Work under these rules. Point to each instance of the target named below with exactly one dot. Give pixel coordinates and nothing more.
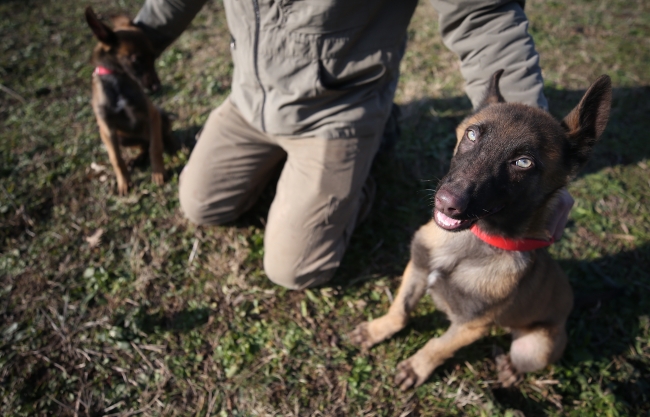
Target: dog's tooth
(446, 220)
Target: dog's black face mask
(500, 171)
(136, 56)
(511, 158)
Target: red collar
(102, 71)
(501, 242)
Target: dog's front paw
(361, 337)
(122, 188)
(158, 178)
(409, 375)
(415, 370)
(369, 333)
(508, 375)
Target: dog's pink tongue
(446, 220)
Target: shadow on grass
(181, 322)
(188, 136)
(604, 328)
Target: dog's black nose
(449, 203)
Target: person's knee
(202, 212)
(192, 209)
(287, 275)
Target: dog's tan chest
(467, 277)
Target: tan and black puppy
(124, 66)
(481, 257)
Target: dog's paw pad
(406, 376)
(360, 336)
(508, 375)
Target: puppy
(482, 256)
(124, 66)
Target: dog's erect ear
(102, 32)
(493, 95)
(588, 120)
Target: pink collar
(505, 243)
(102, 71)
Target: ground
(119, 306)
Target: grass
(159, 317)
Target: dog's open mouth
(449, 223)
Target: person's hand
(559, 218)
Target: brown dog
(124, 65)
(476, 257)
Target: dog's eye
(524, 163)
(471, 134)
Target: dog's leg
(413, 371)
(412, 288)
(119, 166)
(531, 350)
(156, 146)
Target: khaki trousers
(318, 195)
